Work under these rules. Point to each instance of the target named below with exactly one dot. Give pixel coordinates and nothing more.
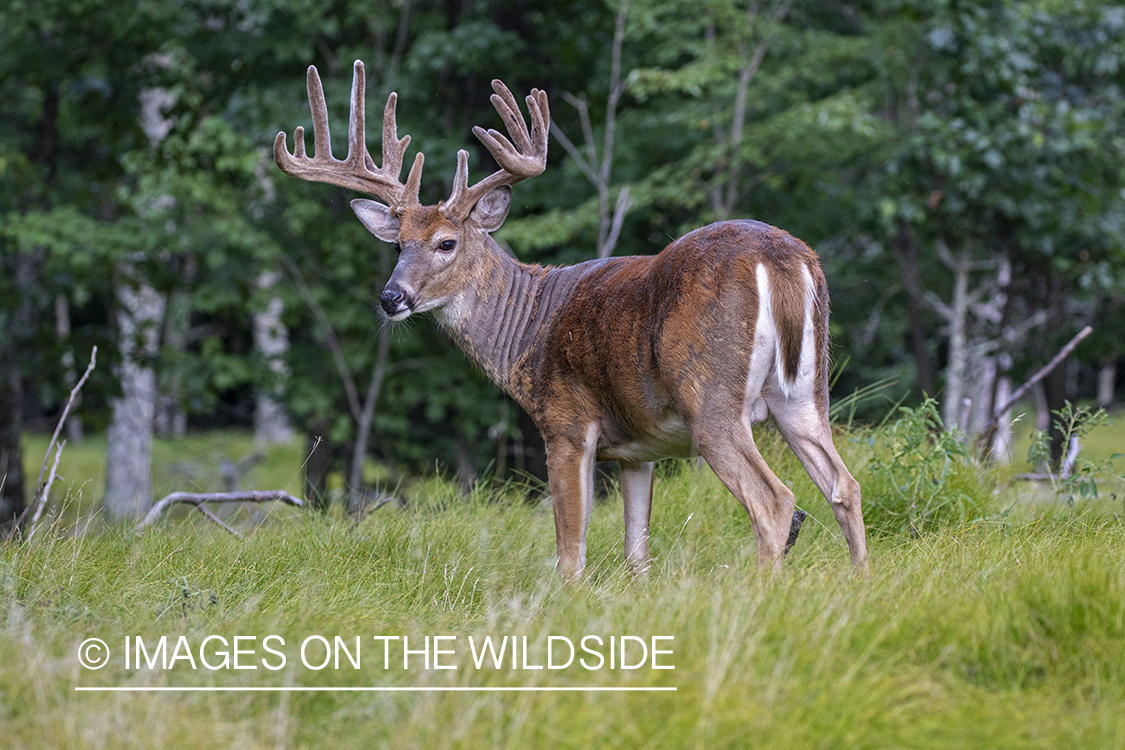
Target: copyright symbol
(93, 653)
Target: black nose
(391, 300)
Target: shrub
(920, 476)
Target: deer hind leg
(570, 474)
(729, 449)
(806, 430)
(636, 490)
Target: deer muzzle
(396, 303)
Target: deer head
(441, 248)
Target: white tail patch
(806, 371)
(767, 357)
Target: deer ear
(377, 218)
(492, 209)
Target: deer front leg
(636, 490)
(570, 473)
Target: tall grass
(1003, 627)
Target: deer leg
(570, 473)
(729, 449)
(808, 433)
(636, 490)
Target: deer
(627, 359)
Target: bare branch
(938, 305)
(66, 412)
(215, 519)
(615, 91)
(1043, 372)
(579, 103)
(40, 501)
(623, 204)
(944, 255)
(746, 74)
(41, 490)
(329, 336)
(575, 154)
(360, 517)
(197, 499)
(600, 172)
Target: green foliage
(920, 477)
(1074, 423)
(993, 126)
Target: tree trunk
(317, 466)
(1002, 437)
(171, 421)
(908, 263)
(1055, 385)
(11, 453)
(128, 482)
(958, 322)
(271, 423)
(1107, 379)
(16, 332)
(1042, 411)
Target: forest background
(959, 166)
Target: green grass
(188, 464)
(1006, 629)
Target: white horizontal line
(300, 688)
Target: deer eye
(398, 248)
(447, 245)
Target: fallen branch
(362, 515)
(197, 499)
(1044, 372)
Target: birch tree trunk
(958, 322)
(1002, 439)
(171, 421)
(1107, 378)
(271, 423)
(128, 481)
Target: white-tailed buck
(625, 359)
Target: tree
(1009, 166)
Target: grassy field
(1001, 626)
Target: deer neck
(496, 318)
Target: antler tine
(358, 171)
(526, 158)
(322, 139)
